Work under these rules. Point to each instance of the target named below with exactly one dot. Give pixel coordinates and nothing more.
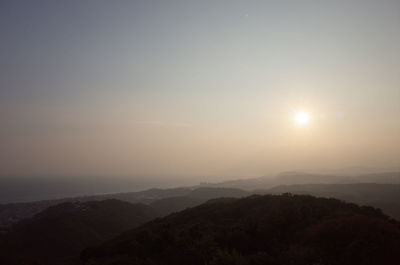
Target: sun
(302, 118)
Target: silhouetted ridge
(383, 196)
(211, 193)
(62, 231)
(175, 204)
(14, 212)
(196, 197)
(267, 229)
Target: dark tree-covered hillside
(271, 229)
(59, 233)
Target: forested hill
(382, 196)
(271, 229)
(61, 232)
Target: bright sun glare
(302, 118)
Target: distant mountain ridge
(291, 178)
(383, 196)
(194, 198)
(12, 213)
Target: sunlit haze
(302, 118)
(200, 90)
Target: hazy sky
(198, 88)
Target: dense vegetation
(59, 233)
(288, 229)
(383, 196)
